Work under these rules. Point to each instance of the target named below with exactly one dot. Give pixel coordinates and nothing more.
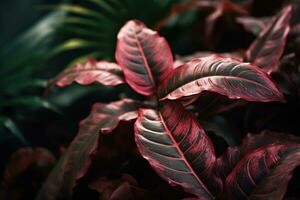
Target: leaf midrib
(233, 77)
(184, 158)
(151, 78)
(264, 37)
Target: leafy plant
(167, 133)
(84, 31)
(21, 61)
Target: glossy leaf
(267, 49)
(102, 72)
(178, 149)
(104, 118)
(180, 60)
(229, 77)
(227, 162)
(264, 173)
(144, 56)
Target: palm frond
(93, 27)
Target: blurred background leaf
(39, 39)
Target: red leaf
(102, 72)
(267, 49)
(225, 76)
(76, 161)
(178, 149)
(180, 60)
(23, 159)
(264, 173)
(144, 56)
(226, 162)
(118, 189)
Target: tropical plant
(20, 88)
(92, 27)
(166, 130)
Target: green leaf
(80, 10)
(105, 18)
(13, 128)
(73, 44)
(32, 47)
(31, 102)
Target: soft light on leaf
(74, 43)
(91, 71)
(178, 149)
(225, 76)
(144, 56)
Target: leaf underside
(226, 76)
(177, 148)
(103, 72)
(144, 56)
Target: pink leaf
(264, 173)
(144, 56)
(92, 71)
(226, 162)
(267, 49)
(226, 76)
(77, 159)
(178, 149)
(180, 60)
